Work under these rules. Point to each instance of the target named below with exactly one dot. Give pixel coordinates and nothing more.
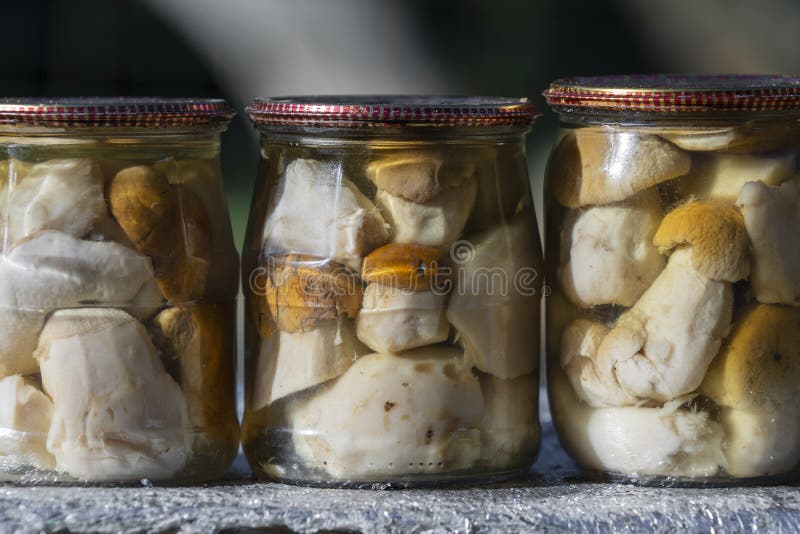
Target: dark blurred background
(239, 49)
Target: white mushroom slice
(669, 440)
(393, 319)
(600, 165)
(25, 414)
(721, 176)
(607, 252)
(579, 344)
(318, 211)
(660, 349)
(772, 219)
(54, 270)
(510, 424)
(435, 223)
(417, 412)
(495, 304)
(59, 194)
(291, 362)
(761, 443)
(117, 414)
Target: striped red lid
(676, 93)
(149, 112)
(386, 111)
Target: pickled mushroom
(416, 412)
(607, 254)
(117, 415)
(600, 166)
(395, 320)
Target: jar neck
(360, 136)
(581, 116)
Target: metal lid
(135, 112)
(676, 93)
(387, 111)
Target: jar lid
(387, 111)
(136, 112)
(676, 93)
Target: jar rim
(356, 111)
(676, 93)
(127, 112)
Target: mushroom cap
(303, 289)
(169, 224)
(759, 364)
(598, 165)
(402, 265)
(420, 175)
(715, 230)
(142, 201)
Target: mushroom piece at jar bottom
(494, 305)
(761, 443)
(510, 424)
(117, 414)
(670, 440)
(59, 194)
(721, 176)
(394, 320)
(55, 270)
(411, 413)
(755, 379)
(289, 362)
(25, 415)
(607, 252)
(435, 223)
(318, 211)
(197, 344)
(772, 219)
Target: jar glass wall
(117, 293)
(391, 273)
(672, 238)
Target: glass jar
(390, 271)
(672, 245)
(118, 282)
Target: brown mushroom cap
(420, 175)
(143, 202)
(759, 365)
(404, 266)
(302, 290)
(169, 224)
(715, 230)
(598, 166)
